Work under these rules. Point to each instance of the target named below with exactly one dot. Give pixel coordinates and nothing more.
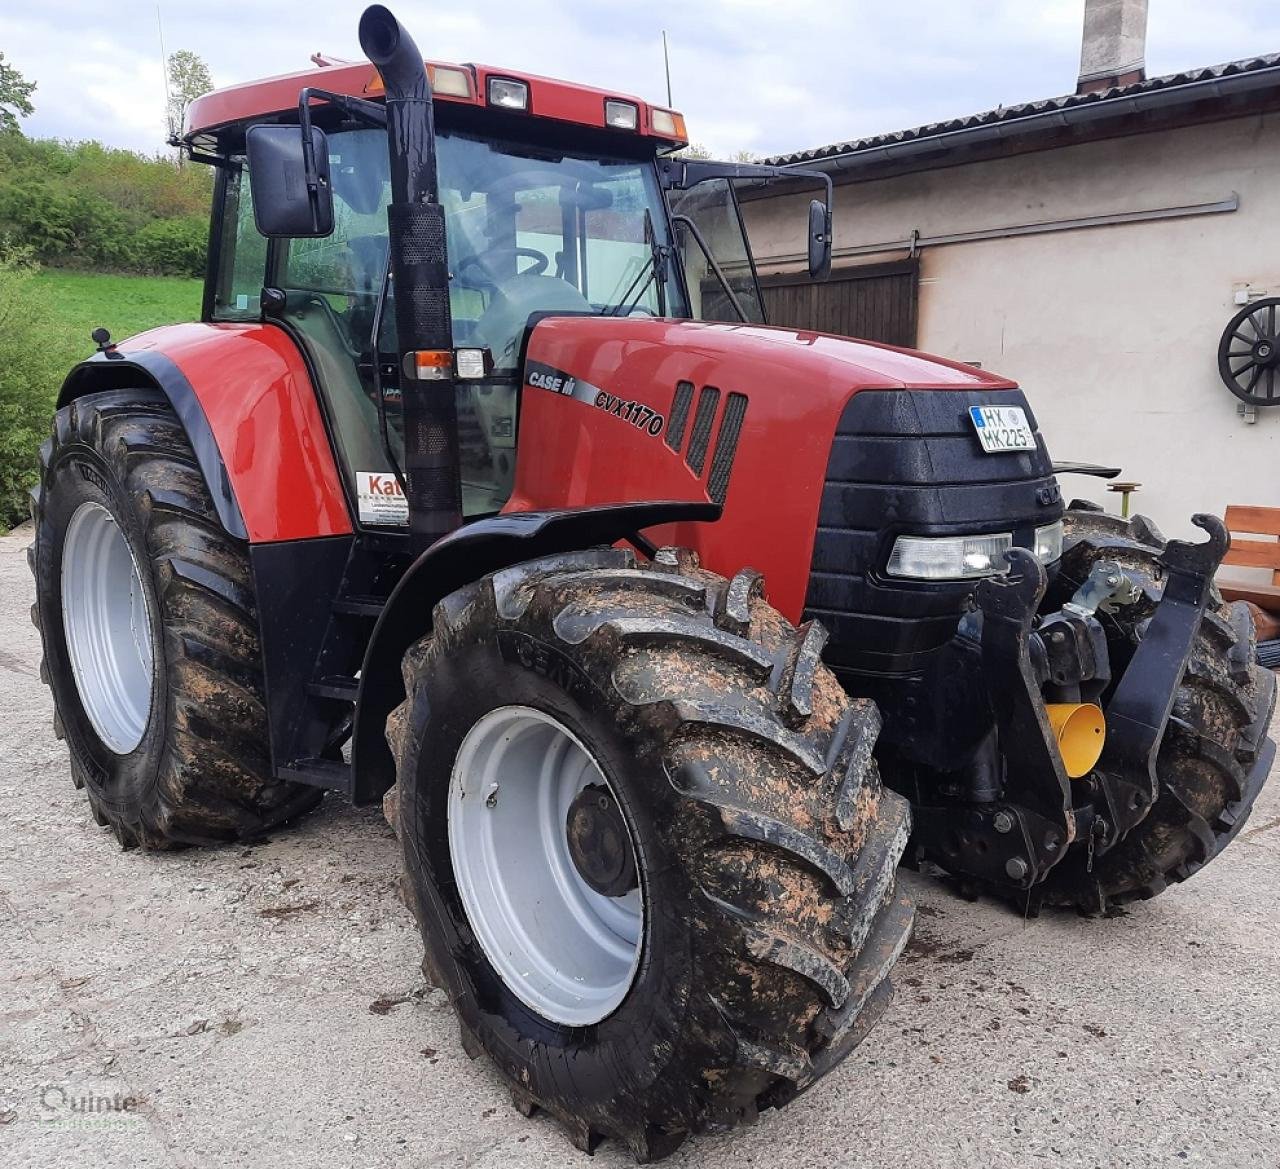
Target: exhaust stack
(419, 269)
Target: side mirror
(819, 240)
(289, 177)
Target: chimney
(1115, 42)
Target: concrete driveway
(263, 1007)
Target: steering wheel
(481, 261)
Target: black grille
(735, 410)
(679, 414)
(910, 461)
(708, 400)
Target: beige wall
(1112, 331)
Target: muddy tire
(763, 843)
(1215, 735)
(159, 697)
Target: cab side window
(242, 263)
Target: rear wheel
(146, 610)
(646, 843)
(1210, 748)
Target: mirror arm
(679, 175)
(358, 108)
(715, 267)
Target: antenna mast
(164, 73)
(666, 61)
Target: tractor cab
(556, 199)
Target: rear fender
(461, 557)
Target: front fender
(461, 557)
(244, 395)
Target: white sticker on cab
(380, 500)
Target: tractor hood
(745, 416)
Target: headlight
(949, 557)
(621, 115)
(1049, 543)
(508, 93)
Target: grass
(81, 301)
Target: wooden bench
(1257, 521)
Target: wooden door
(873, 302)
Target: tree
(15, 97)
(188, 79)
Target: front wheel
(1211, 762)
(646, 843)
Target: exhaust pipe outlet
(391, 49)
(420, 271)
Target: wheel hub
(598, 843)
(107, 627)
(536, 837)
(1266, 351)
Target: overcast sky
(758, 75)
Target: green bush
(173, 247)
(83, 205)
(32, 366)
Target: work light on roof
(450, 82)
(621, 115)
(508, 93)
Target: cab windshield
(528, 230)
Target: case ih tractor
(469, 481)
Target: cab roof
(561, 101)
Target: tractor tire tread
(780, 817)
(214, 781)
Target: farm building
(1093, 246)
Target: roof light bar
(621, 115)
(508, 94)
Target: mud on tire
(765, 843)
(1215, 733)
(201, 772)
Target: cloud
(758, 75)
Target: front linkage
(1023, 814)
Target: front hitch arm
(1021, 836)
(1143, 698)
(1009, 604)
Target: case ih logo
(557, 381)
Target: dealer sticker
(380, 500)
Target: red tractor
(456, 489)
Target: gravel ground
(255, 1004)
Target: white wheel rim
(565, 950)
(107, 629)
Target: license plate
(1002, 429)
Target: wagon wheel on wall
(1249, 353)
